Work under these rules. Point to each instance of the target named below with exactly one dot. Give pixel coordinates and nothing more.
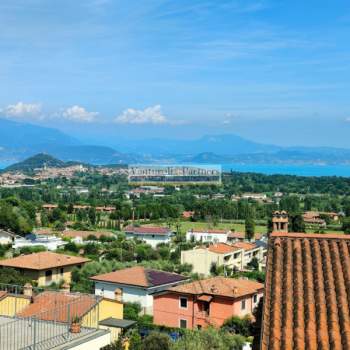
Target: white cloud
(23, 110)
(150, 115)
(79, 114)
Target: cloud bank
(150, 115)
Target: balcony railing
(45, 329)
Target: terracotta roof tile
(140, 276)
(222, 248)
(307, 292)
(245, 245)
(53, 306)
(42, 261)
(220, 286)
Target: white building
(6, 237)
(32, 240)
(207, 236)
(150, 235)
(135, 285)
(236, 256)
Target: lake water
(302, 170)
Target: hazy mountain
(19, 141)
(219, 144)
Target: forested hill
(38, 161)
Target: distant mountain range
(19, 141)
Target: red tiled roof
(307, 292)
(42, 261)
(244, 245)
(239, 235)
(147, 230)
(220, 286)
(222, 248)
(140, 276)
(50, 306)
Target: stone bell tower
(280, 222)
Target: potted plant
(75, 326)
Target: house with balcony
(231, 256)
(207, 235)
(136, 285)
(45, 267)
(251, 250)
(204, 303)
(152, 235)
(220, 254)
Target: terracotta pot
(75, 328)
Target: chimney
(118, 294)
(28, 290)
(235, 290)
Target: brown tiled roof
(222, 248)
(220, 286)
(50, 306)
(86, 234)
(150, 230)
(244, 245)
(42, 261)
(307, 292)
(140, 276)
(239, 235)
(2, 294)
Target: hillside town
(103, 262)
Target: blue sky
(273, 71)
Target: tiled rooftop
(307, 292)
(220, 286)
(140, 276)
(53, 306)
(244, 245)
(222, 248)
(42, 261)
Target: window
(62, 271)
(255, 298)
(183, 323)
(243, 305)
(183, 303)
(48, 276)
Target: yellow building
(45, 268)
(56, 312)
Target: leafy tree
(12, 276)
(239, 325)
(131, 311)
(249, 228)
(208, 339)
(296, 222)
(156, 341)
(135, 341)
(346, 225)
